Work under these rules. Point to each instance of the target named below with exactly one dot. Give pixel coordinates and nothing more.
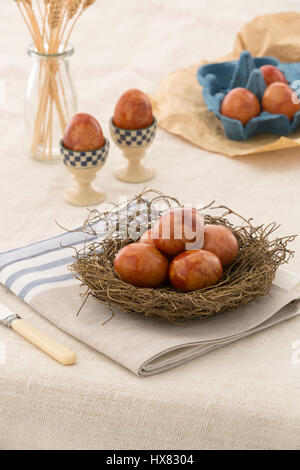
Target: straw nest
(249, 277)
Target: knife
(42, 341)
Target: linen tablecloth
(39, 274)
(245, 395)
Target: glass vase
(50, 102)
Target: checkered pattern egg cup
(84, 166)
(133, 144)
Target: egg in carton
(217, 79)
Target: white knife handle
(51, 347)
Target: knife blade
(42, 341)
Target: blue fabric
(219, 78)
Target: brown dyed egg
(178, 230)
(147, 238)
(220, 241)
(83, 134)
(272, 74)
(279, 98)
(240, 104)
(133, 111)
(194, 270)
(141, 265)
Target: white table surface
(245, 395)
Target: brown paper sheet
(179, 105)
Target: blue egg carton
(219, 78)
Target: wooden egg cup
(133, 144)
(84, 166)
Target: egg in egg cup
(83, 166)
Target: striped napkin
(39, 275)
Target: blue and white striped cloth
(30, 270)
(40, 266)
